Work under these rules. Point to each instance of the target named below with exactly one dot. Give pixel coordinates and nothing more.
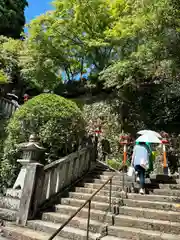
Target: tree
(9, 60)
(71, 43)
(12, 18)
(150, 37)
(130, 46)
(149, 61)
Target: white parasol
(150, 138)
(144, 132)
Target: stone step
(115, 186)
(155, 178)
(150, 213)
(99, 198)
(162, 177)
(117, 178)
(118, 187)
(164, 180)
(78, 202)
(76, 222)
(103, 180)
(107, 173)
(170, 186)
(106, 187)
(152, 181)
(97, 215)
(20, 233)
(135, 233)
(149, 201)
(83, 190)
(147, 224)
(112, 238)
(104, 205)
(167, 192)
(9, 203)
(7, 214)
(166, 206)
(115, 181)
(66, 232)
(117, 194)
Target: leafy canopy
(69, 39)
(12, 18)
(9, 59)
(124, 45)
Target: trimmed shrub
(57, 121)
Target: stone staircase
(153, 216)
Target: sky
(36, 7)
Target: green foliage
(9, 59)
(3, 77)
(149, 35)
(114, 163)
(102, 113)
(57, 121)
(59, 41)
(12, 18)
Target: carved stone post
(31, 171)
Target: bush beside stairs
(153, 216)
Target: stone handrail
(8, 106)
(43, 183)
(63, 172)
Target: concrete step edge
(76, 222)
(97, 215)
(153, 221)
(78, 190)
(54, 226)
(59, 206)
(114, 230)
(26, 232)
(68, 216)
(82, 201)
(85, 196)
(149, 210)
(129, 200)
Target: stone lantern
(32, 152)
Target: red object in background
(98, 131)
(125, 139)
(26, 97)
(165, 141)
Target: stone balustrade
(8, 106)
(63, 172)
(41, 184)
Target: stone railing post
(32, 172)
